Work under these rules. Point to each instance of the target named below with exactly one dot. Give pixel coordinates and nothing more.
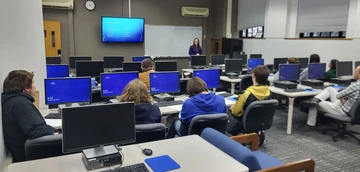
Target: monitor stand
(164, 97)
(100, 157)
(232, 75)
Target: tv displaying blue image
(122, 30)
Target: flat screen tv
(122, 30)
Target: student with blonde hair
(145, 111)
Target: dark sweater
(194, 50)
(330, 74)
(147, 113)
(21, 121)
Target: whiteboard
(170, 40)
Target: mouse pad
(232, 98)
(162, 163)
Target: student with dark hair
(314, 58)
(20, 118)
(331, 73)
(147, 65)
(291, 60)
(259, 91)
(200, 102)
(195, 48)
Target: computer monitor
(289, 72)
(304, 62)
(73, 59)
(278, 61)
(255, 56)
(198, 60)
(210, 76)
(57, 71)
(53, 60)
(233, 65)
(217, 59)
(139, 58)
(164, 82)
(113, 61)
(132, 66)
(94, 126)
(67, 90)
(113, 84)
(89, 68)
(252, 63)
(344, 68)
(316, 71)
(243, 57)
(357, 64)
(165, 66)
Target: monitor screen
(317, 71)
(255, 56)
(113, 61)
(344, 69)
(165, 66)
(73, 59)
(57, 71)
(132, 66)
(67, 90)
(210, 76)
(97, 125)
(89, 68)
(252, 63)
(242, 57)
(278, 61)
(289, 72)
(233, 65)
(217, 59)
(164, 82)
(304, 62)
(198, 60)
(122, 30)
(53, 60)
(357, 64)
(113, 84)
(139, 58)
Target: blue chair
(254, 159)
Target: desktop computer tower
(312, 82)
(285, 85)
(232, 46)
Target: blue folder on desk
(162, 163)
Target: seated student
(331, 73)
(200, 102)
(20, 118)
(145, 111)
(147, 65)
(314, 58)
(291, 60)
(259, 91)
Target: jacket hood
(206, 102)
(260, 92)
(7, 96)
(143, 110)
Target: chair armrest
(307, 165)
(248, 138)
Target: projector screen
(122, 30)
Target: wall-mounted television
(122, 30)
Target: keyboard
(294, 90)
(321, 87)
(198, 67)
(169, 103)
(225, 94)
(131, 168)
(235, 77)
(53, 116)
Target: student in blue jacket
(201, 102)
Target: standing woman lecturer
(195, 49)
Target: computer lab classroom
(224, 85)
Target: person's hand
(56, 133)
(198, 54)
(344, 100)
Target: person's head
(196, 86)
(136, 91)
(147, 64)
(260, 75)
(20, 81)
(293, 60)
(332, 64)
(357, 73)
(314, 58)
(196, 42)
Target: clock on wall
(90, 5)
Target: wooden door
(52, 36)
(216, 45)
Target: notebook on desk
(162, 163)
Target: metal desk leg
(232, 88)
(183, 74)
(290, 115)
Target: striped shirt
(352, 94)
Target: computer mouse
(147, 152)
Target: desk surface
(192, 153)
(281, 91)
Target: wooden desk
(192, 153)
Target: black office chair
(150, 132)
(342, 121)
(215, 121)
(43, 147)
(245, 82)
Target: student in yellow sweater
(147, 65)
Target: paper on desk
(56, 123)
(176, 107)
(230, 101)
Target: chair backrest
(215, 121)
(43, 147)
(232, 148)
(259, 115)
(150, 132)
(246, 81)
(355, 112)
